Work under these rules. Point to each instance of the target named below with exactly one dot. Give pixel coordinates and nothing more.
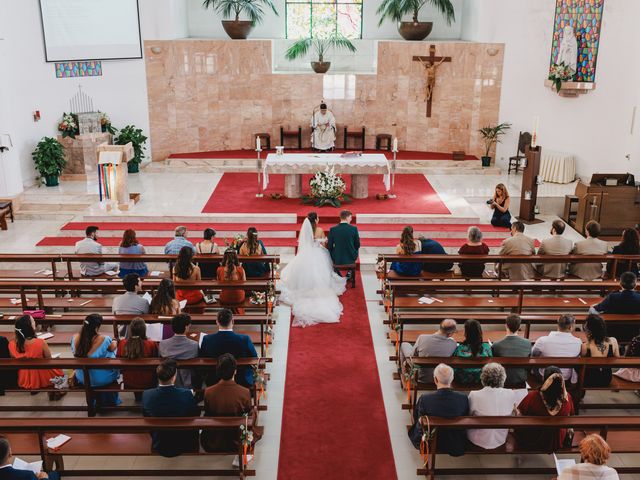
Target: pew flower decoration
(559, 73)
(68, 126)
(235, 242)
(258, 298)
(327, 188)
(409, 377)
(260, 382)
(246, 437)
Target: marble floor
(180, 195)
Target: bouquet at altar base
(68, 126)
(327, 188)
(105, 124)
(558, 73)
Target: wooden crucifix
(431, 63)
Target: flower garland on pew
(259, 381)
(246, 437)
(409, 374)
(427, 436)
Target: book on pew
(155, 273)
(45, 335)
(562, 463)
(154, 331)
(183, 303)
(54, 443)
(35, 467)
(147, 297)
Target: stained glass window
(322, 18)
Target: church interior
(160, 161)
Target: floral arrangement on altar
(105, 123)
(559, 73)
(327, 188)
(68, 126)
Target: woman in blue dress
(130, 246)
(89, 343)
(408, 246)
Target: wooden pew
(90, 392)
(114, 437)
(40, 261)
(621, 432)
(579, 363)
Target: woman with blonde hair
(595, 453)
(500, 206)
(407, 246)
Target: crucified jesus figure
(431, 75)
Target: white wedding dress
(309, 285)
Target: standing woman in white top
(595, 453)
(492, 401)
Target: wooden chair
(297, 134)
(265, 138)
(383, 138)
(355, 136)
(524, 139)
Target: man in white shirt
(561, 343)
(492, 401)
(90, 246)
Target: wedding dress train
(309, 284)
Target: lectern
(529, 193)
(611, 199)
(113, 180)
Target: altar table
(557, 167)
(294, 165)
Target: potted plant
(49, 159)
(134, 135)
(253, 9)
(413, 30)
(321, 46)
(491, 136)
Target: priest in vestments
(323, 129)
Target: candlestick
(534, 133)
(395, 144)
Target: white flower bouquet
(327, 188)
(559, 72)
(68, 125)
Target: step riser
(62, 217)
(53, 207)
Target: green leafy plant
(327, 188)
(253, 9)
(320, 45)
(49, 158)
(491, 135)
(396, 9)
(134, 135)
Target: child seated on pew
(135, 346)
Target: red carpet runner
(334, 424)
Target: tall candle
(395, 144)
(534, 133)
(257, 143)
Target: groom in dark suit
(344, 241)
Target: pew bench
(115, 437)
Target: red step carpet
(236, 193)
(250, 154)
(334, 424)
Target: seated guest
(592, 245)
(594, 455)
(7, 472)
(555, 245)
(550, 401)
(561, 343)
(174, 246)
(208, 247)
(130, 303)
(518, 244)
(474, 246)
(90, 246)
(185, 271)
(164, 302)
(472, 346)
(130, 246)
(8, 378)
(632, 350)
(226, 341)
(429, 246)
(598, 345)
(89, 343)
(439, 344)
(626, 301)
(135, 346)
(253, 247)
(27, 345)
(407, 246)
(629, 245)
(167, 400)
(228, 272)
(492, 401)
(500, 203)
(512, 345)
(444, 402)
(225, 399)
(181, 347)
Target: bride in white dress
(308, 283)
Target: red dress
(232, 298)
(542, 438)
(475, 269)
(32, 379)
(139, 378)
(192, 296)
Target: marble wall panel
(216, 94)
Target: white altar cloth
(301, 163)
(557, 167)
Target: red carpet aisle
(236, 193)
(334, 424)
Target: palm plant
(491, 135)
(253, 9)
(320, 45)
(396, 9)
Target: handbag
(36, 314)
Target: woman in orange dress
(230, 270)
(27, 345)
(185, 271)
